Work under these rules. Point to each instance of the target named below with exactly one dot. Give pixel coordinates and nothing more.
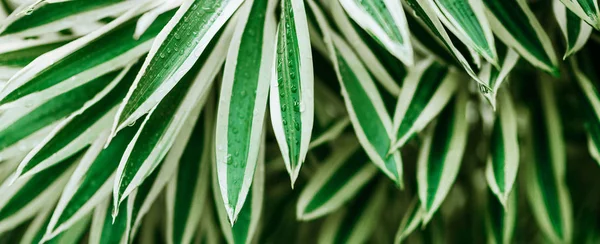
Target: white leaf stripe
(503, 159)
(412, 217)
(385, 21)
(441, 155)
(500, 221)
(494, 77)
(575, 31)
(590, 14)
(243, 100)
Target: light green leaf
(412, 217)
(358, 221)
(291, 99)
(343, 174)
(245, 227)
(16, 53)
(587, 80)
(330, 133)
(545, 168)
(587, 10)
(467, 20)
(515, 24)
(575, 31)
(441, 155)
(427, 89)
(500, 219)
(495, 77)
(384, 20)
(107, 229)
(503, 158)
(37, 229)
(105, 50)
(165, 120)
(187, 190)
(243, 101)
(28, 195)
(178, 46)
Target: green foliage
(310, 121)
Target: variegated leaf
(575, 31)
(411, 220)
(358, 221)
(16, 53)
(343, 174)
(291, 99)
(384, 20)
(494, 76)
(501, 219)
(107, 228)
(246, 225)
(467, 20)
(441, 155)
(36, 230)
(243, 101)
(165, 120)
(178, 46)
(587, 10)
(503, 158)
(427, 89)
(515, 24)
(588, 84)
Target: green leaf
(161, 126)
(494, 76)
(441, 155)
(427, 89)
(500, 219)
(467, 20)
(515, 24)
(575, 31)
(36, 230)
(105, 50)
(589, 97)
(587, 10)
(243, 101)
(412, 217)
(18, 52)
(291, 99)
(503, 158)
(187, 190)
(369, 118)
(178, 46)
(358, 221)
(545, 169)
(343, 174)
(107, 228)
(26, 196)
(246, 225)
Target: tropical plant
(329, 121)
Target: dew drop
(297, 126)
(283, 107)
(131, 124)
(284, 122)
(294, 88)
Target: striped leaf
(503, 158)
(412, 217)
(467, 20)
(243, 101)
(246, 225)
(16, 53)
(106, 228)
(426, 13)
(26, 196)
(105, 50)
(356, 223)
(427, 89)
(441, 155)
(500, 219)
(515, 24)
(587, 80)
(36, 230)
(368, 116)
(291, 99)
(91, 183)
(386, 69)
(343, 174)
(176, 49)
(384, 20)
(495, 77)
(575, 31)
(79, 129)
(545, 169)
(187, 190)
(42, 17)
(162, 125)
(587, 10)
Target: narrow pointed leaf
(494, 76)
(411, 220)
(514, 23)
(343, 174)
(177, 47)
(18, 53)
(587, 10)
(441, 155)
(291, 98)
(546, 184)
(427, 89)
(500, 219)
(575, 31)
(588, 84)
(385, 21)
(503, 158)
(71, 236)
(243, 101)
(106, 229)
